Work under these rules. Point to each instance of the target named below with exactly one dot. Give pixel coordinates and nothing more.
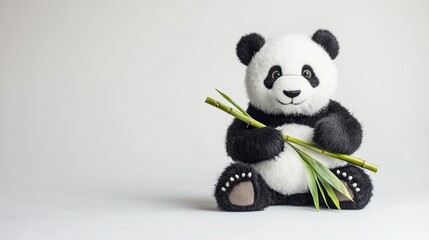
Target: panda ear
(328, 41)
(248, 46)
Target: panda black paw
(338, 133)
(239, 188)
(357, 183)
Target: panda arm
(339, 131)
(251, 145)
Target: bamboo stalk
(353, 160)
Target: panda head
(290, 74)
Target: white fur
(286, 173)
(291, 53)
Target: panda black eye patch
(313, 80)
(274, 73)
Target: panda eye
(307, 74)
(276, 74)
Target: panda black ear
(248, 46)
(328, 41)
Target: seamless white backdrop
(104, 100)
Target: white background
(104, 133)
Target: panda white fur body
(286, 174)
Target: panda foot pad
(351, 184)
(240, 189)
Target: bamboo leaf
(333, 180)
(321, 191)
(311, 181)
(232, 102)
(324, 173)
(331, 193)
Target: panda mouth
(291, 102)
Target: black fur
(328, 41)
(336, 130)
(265, 196)
(251, 145)
(340, 133)
(314, 81)
(248, 46)
(269, 80)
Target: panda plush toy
(290, 81)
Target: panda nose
(292, 94)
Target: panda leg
(240, 188)
(357, 183)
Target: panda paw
(348, 181)
(238, 189)
(337, 133)
(357, 183)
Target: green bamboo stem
(353, 160)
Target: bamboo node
(217, 104)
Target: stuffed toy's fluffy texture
(290, 81)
